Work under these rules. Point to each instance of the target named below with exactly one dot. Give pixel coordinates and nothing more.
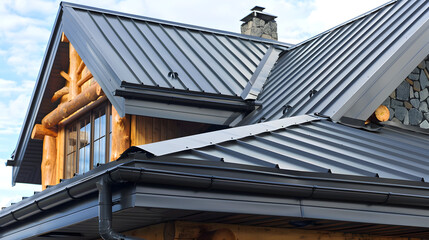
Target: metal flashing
(217, 137)
(259, 77)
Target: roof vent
(259, 24)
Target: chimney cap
(257, 12)
(257, 8)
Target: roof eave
(36, 97)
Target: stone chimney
(259, 24)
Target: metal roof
(309, 145)
(350, 69)
(215, 188)
(120, 48)
(132, 53)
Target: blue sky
(25, 27)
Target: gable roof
(349, 70)
(127, 51)
(135, 60)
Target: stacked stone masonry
(408, 104)
(260, 28)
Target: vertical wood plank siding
(146, 130)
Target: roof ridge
(343, 24)
(175, 24)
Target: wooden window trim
(76, 120)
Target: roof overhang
(29, 149)
(186, 105)
(148, 185)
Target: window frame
(91, 113)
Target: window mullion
(76, 170)
(91, 140)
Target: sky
(25, 27)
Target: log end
(382, 113)
(39, 132)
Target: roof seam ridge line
(343, 24)
(261, 74)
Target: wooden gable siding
(146, 130)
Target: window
(87, 139)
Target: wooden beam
(60, 155)
(65, 76)
(81, 67)
(39, 132)
(121, 134)
(84, 79)
(58, 94)
(66, 109)
(74, 62)
(49, 155)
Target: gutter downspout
(105, 212)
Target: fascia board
(178, 112)
(228, 202)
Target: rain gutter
(126, 174)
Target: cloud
(329, 13)
(9, 194)
(24, 32)
(8, 87)
(14, 100)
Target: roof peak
(175, 24)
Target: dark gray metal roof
(144, 184)
(309, 144)
(120, 48)
(133, 53)
(350, 69)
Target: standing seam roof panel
(145, 52)
(317, 146)
(367, 66)
(323, 74)
(334, 60)
(369, 155)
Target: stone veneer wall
(408, 104)
(259, 28)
